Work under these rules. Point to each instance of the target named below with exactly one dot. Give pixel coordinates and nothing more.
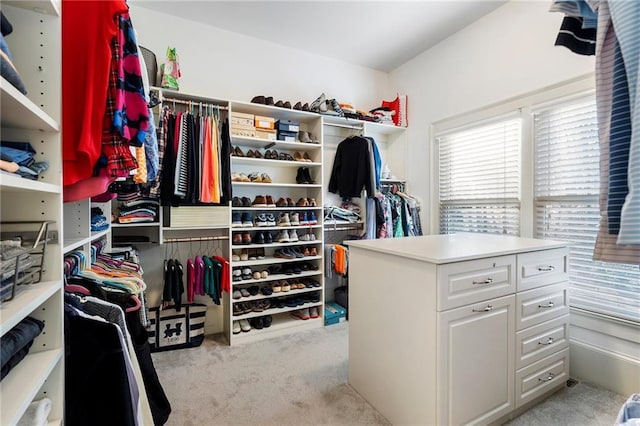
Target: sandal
(265, 178)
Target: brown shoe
(246, 238)
(281, 202)
(259, 201)
(313, 251)
(251, 154)
(297, 156)
(238, 152)
(311, 202)
(269, 200)
(237, 239)
(290, 202)
(302, 202)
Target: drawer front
(462, 283)
(541, 377)
(540, 268)
(539, 341)
(541, 304)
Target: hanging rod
(196, 239)
(344, 126)
(192, 103)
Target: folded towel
(37, 413)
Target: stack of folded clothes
(98, 221)
(7, 69)
(14, 259)
(137, 211)
(18, 158)
(15, 344)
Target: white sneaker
(283, 237)
(284, 220)
(294, 219)
(244, 325)
(304, 237)
(293, 235)
(236, 327)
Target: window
(479, 177)
(566, 188)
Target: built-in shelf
(22, 383)
(263, 143)
(26, 299)
(275, 277)
(20, 112)
(280, 325)
(276, 245)
(46, 7)
(136, 225)
(277, 185)
(273, 208)
(269, 260)
(273, 111)
(14, 183)
(278, 163)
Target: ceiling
(375, 34)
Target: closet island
(479, 328)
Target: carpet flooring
(301, 379)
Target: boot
(307, 176)
(300, 176)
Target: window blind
(479, 178)
(566, 189)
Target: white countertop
(455, 247)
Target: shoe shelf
(264, 143)
(281, 325)
(276, 277)
(270, 260)
(278, 185)
(273, 111)
(270, 162)
(273, 209)
(276, 311)
(274, 228)
(280, 294)
(289, 244)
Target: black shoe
(268, 100)
(279, 104)
(298, 106)
(308, 176)
(258, 238)
(235, 202)
(266, 321)
(253, 290)
(246, 201)
(300, 176)
(268, 238)
(258, 100)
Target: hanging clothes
(351, 172)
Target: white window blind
(566, 188)
(479, 176)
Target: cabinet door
(476, 362)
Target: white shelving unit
(35, 45)
(283, 176)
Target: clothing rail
(345, 126)
(196, 239)
(193, 103)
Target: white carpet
(300, 379)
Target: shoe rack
(272, 292)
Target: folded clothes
(7, 69)
(23, 157)
(19, 337)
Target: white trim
(605, 324)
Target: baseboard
(618, 373)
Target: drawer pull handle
(547, 268)
(487, 281)
(550, 341)
(548, 378)
(547, 306)
(486, 309)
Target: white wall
(222, 64)
(507, 53)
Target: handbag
(171, 329)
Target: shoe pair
(271, 154)
(264, 100)
(265, 219)
(237, 152)
(298, 106)
(307, 237)
(241, 220)
(306, 137)
(263, 201)
(303, 176)
(302, 157)
(239, 177)
(254, 154)
(285, 104)
(306, 202)
(241, 238)
(241, 202)
(288, 202)
(241, 325)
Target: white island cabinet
(457, 329)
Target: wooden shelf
(46, 7)
(14, 183)
(262, 143)
(266, 162)
(20, 112)
(26, 299)
(22, 383)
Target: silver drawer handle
(547, 268)
(487, 309)
(548, 379)
(548, 342)
(547, 306)
(487, 281)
